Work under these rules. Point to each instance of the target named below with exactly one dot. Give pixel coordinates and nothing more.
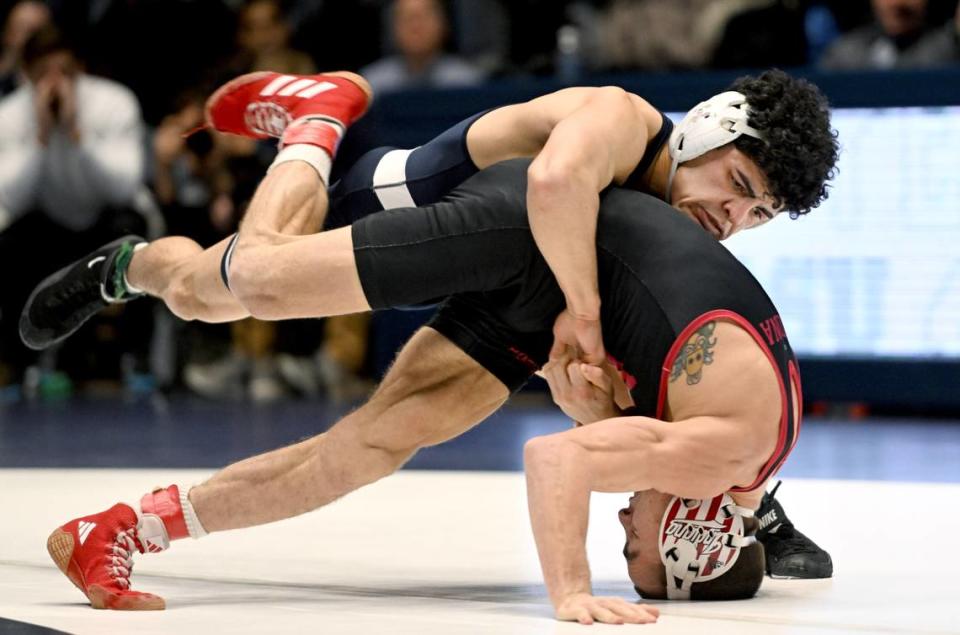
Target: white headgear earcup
(709, 125)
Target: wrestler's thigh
(315, 276)
(433, 392)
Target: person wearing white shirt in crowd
(71, 162)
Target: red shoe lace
(120, 565)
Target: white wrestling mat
(450, 553)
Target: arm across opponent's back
(583, 139)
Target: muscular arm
(583, 154)
(697, 458)
(698, 455)
(583, 139)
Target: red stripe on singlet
(780, 452)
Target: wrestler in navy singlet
(390, 178)
(662, 277)
(393, 178)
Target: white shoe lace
(121, 557)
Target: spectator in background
(23, 21)
(663, 34)
(191, 175)
(263, 35)
(482, 29)
(420, 29)
(71, 163)
(901, 36)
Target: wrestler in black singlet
(661, 276)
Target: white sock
(126, 282)
(316, 157)
(194, 527)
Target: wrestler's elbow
(539, 451)
(553, 179)
(533, 453)
(693, 472)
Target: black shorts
(473, 248)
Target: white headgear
(700, 540)
(709, 125)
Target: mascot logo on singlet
(696, 353)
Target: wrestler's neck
(751, 499)
(658, 174)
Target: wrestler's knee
(181, 296)
(252, 282)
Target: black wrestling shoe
(68, 298)
(790, 554)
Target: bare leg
(277, 276)
(187, 277)
(433, 392)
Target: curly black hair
(799, 151)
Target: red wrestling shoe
(96, 553)
(266, 104)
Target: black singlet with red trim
(661, 277)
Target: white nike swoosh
(95, 261)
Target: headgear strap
(700, 540)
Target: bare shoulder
(604, 112)
(646, 111)
(722, 371)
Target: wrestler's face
(641, 522)
(724, 192)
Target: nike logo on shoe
(83, 530)
(95, 261)
(768, 519)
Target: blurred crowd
(96, 98)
